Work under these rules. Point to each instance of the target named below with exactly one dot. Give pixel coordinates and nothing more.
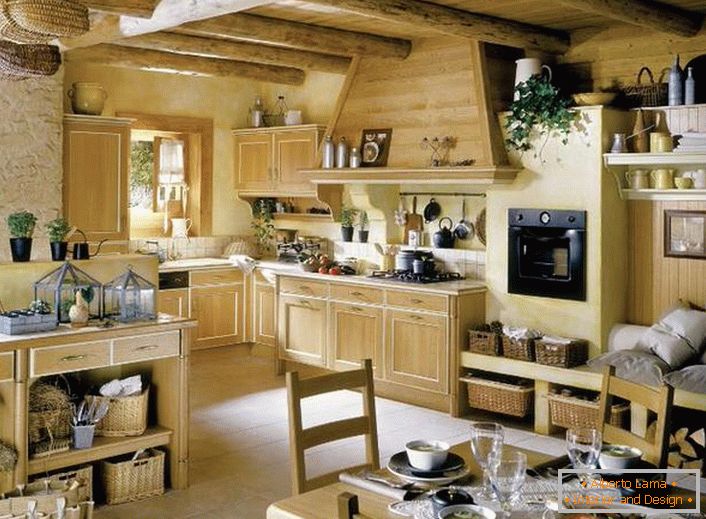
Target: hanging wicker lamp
(26, 61)
(40, 21)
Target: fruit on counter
(335, 271)
(322, 264)
(323, 270)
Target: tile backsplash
(196, 247)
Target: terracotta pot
(87, 98)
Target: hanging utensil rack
(425, 193)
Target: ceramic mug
(638, 179)
(698, 178)
(661, 142)
(662, 178)
(683, 182)
(180, 227)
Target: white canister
(355, 158)
(698, 177)
(181, 227)
(415, 238)
(342, 153)
(293, 117)
(329, 153)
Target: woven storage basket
(84, 475)
(500, 397)
(521, 349)
(127, 416)
(40, 21)
(23, 61)
(650, 94)
(574, 353)
(43, 425)
(487, 343)
(570, 411)
(126, 480)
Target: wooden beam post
(136, 8)
(298, 35)
(457, 22)
(237, 50)
(143, 59)
(644, 13)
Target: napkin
(372, 486)
(521, 333)
(243, 262)
(555, 339)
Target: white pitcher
(699, 178)
(180, 227)
(528, 67)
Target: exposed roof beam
(298, 35)
(244, 51)
(137, 8)
(143, 59)
(643, 13)
(457, 22)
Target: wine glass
(507, 476)
(486, 441)
(584, 446)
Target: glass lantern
(129, 297)
(58, 288)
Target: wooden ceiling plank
(644, 13)
(297, 35)
(457, 22)
(153, 60)
(136, 8)
(237, 50)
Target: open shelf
(664, 194)
(471, 175)
(302, 216)
(654, 159)
(103, 447)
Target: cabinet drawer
(417, 301)
(64, 359)
(147, 347)
(216, 277)
(357, 294)
(303, 287)
(7, 368)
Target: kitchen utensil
(427, 455)
(401, 213)
(638, 178)
(423, 266)
(528, 67)
(453, 468)
(619, 143)
(415, 239)
(444, 238)
(662, 178)
(449, 497)
(480, 227)
(431, 211)
(81, 249)
(462, 230)
(470, 511)
(414, 221)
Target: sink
(195, 262)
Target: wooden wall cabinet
(96, 170)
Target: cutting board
(414, 221)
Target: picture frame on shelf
(375, 147)
(685, 234)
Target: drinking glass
(584, 447)
(507, 476)
(486, 441)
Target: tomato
(323, 270)
(335, 271)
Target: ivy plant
(539, 108)
(262, 224)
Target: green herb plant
(58, 229)
(21, 224)
(262, 225)
(348, 215)
(363, 220)
(540, 109)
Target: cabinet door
(301, 330)
(295, 150)
(174, 302)
(253, 161)
(219, 311)
(264, 307)
(416, 350)
(355, 334)
(96, 162)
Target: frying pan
(432, 211)
(464, 230)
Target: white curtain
(171, 162)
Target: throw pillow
(688, 324)
(691, 378)
(636, 366)
(671, 348)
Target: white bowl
(619, 457)
(479, 511)
(427, 454)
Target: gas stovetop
(408, 276)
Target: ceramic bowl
(450, 512)
(446, 497)
(619, 457)
(683, 182)
(594, 98)
(427, 454)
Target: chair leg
(347, 505)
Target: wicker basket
(127, 480)
(44, 425)
(487, 343)
(84, 475)
(23, 61)
(521, 349)
(571, 411)
(574, 353)
(500, 397)
(127, 416)
(40, 21)
(652, 94)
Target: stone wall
(31, 155)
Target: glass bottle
(342, 153)
(676, 84)
(689, 88)
(257, 114)
(355, 158)
(328, 153)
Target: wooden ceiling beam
(644, 13)
(456, 22)
(136, 8)
(153, 60)
(237, 50)
(275, 31)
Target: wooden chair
(302, 439)
(656, 399)
(348, 507)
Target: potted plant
(347, 219)
(262, 225)
(21, 226)
(58, 231)
(363, 231)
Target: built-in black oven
(547, 253)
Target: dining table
(322, 503)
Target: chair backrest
(301, 439)
(658, 400)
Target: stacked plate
(452, 469)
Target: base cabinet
(302, 330)
(355, 334)
(174, 302)
(264, 313)
(219, 311)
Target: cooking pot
(444, 238)
(405, 258)
(423, 267)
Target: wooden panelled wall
(656, 282)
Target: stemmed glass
(507, 476)
(584, 446)
(486, 442)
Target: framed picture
(685, 234)
(375, 147)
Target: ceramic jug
(181, 227)
(698, 177)
(638, 179)
(528, 67)
(663, 178)
(87, 98)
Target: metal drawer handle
(356, 309)
(147, 347)
(417, 317)
(304, 287)
(72, 358)
(357, 294)
(417, 301)
(304, 302)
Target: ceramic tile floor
(239, 439)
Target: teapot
(444, 238)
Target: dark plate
(400, 464)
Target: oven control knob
(519, 217)
(572, 219)
(545, 217)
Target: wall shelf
(471, 175)
(302, 216)
(664, 194)
(654, 159)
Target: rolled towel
(243, 262)
(112, 388)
